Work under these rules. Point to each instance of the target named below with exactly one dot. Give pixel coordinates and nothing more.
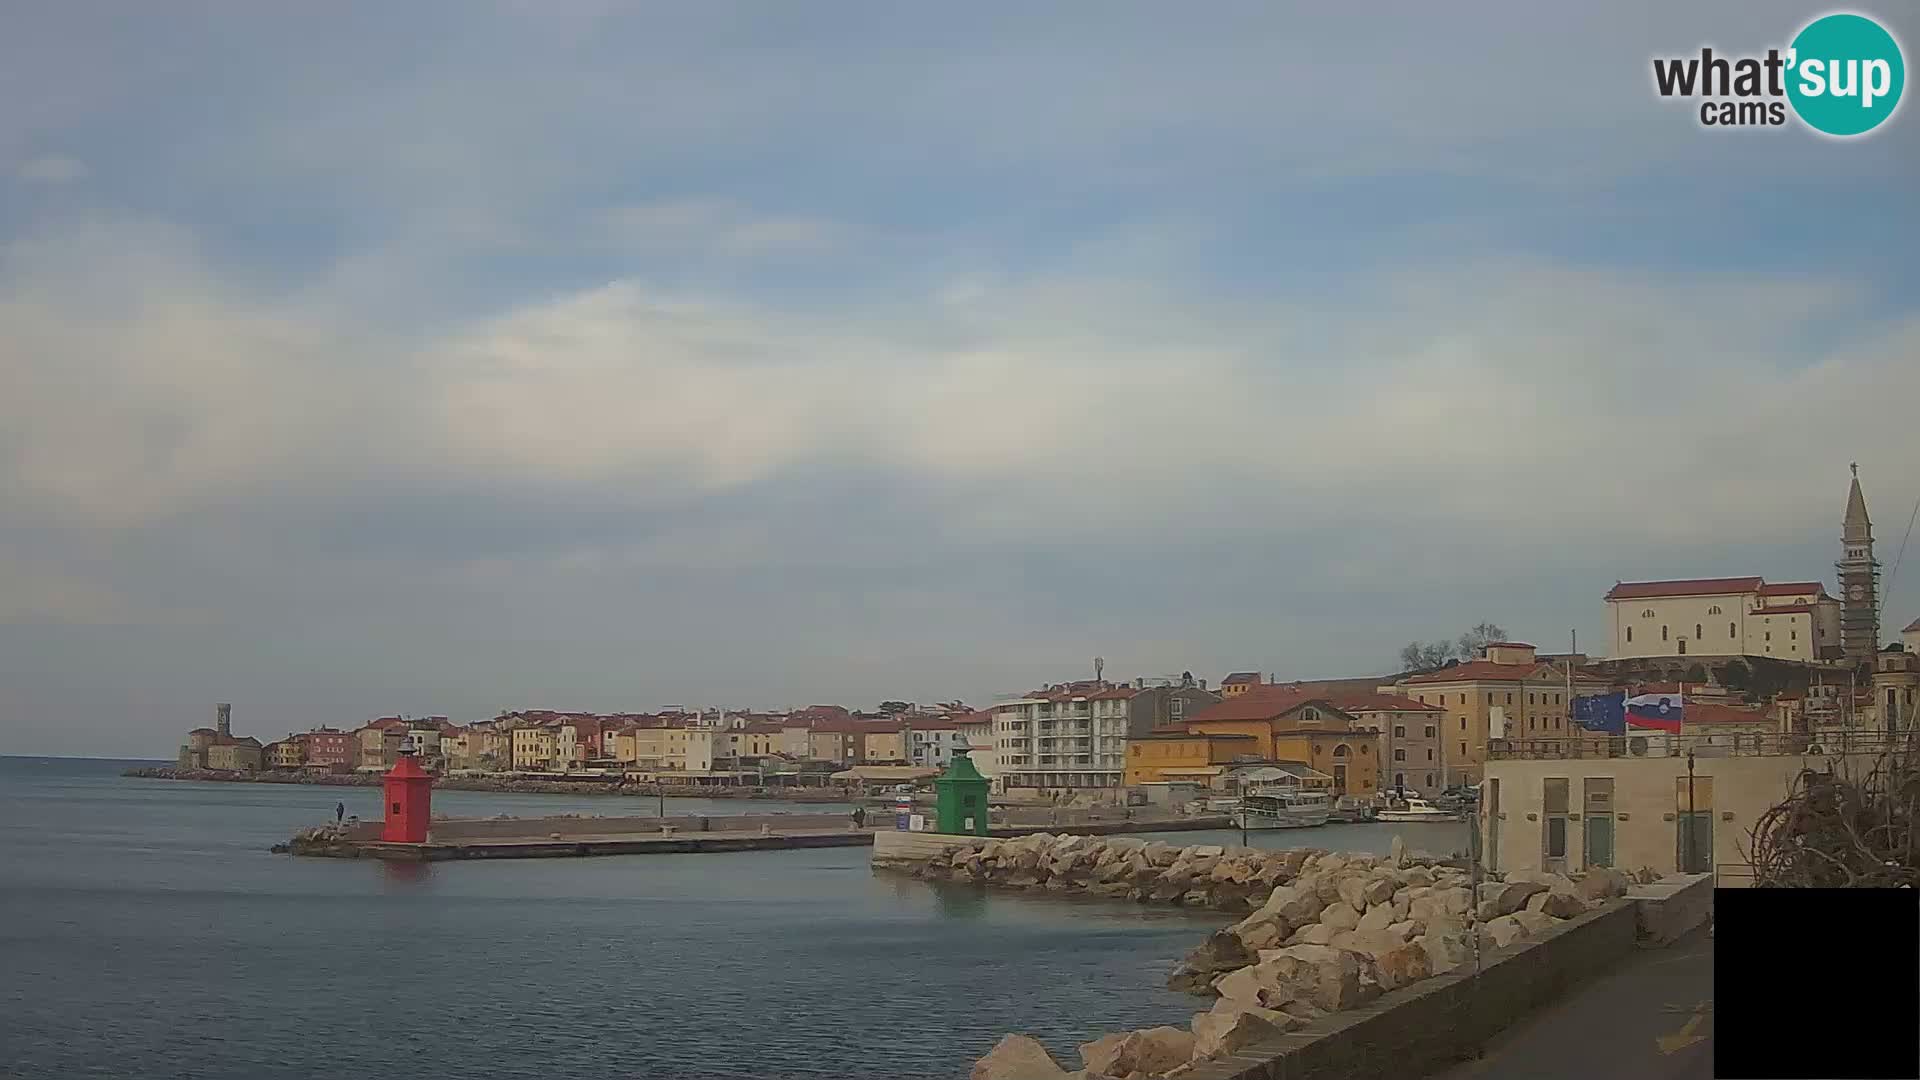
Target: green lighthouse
(960, 804)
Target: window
(1399, 731)
(1429, 758)
(1729, 629)
(1463, 751)
(1769, 635)
(1629, 633)
(1463, 723)
(1340, 751)
(1793, 635)
(1529, 699)
(1463, 699)
(1431, 732)
(1509, 699)
(1489, 698)
(1429, 779)
(1663, 632)
(1399, 755)
(1697, 632)
(1647, 614)
(1714, 610)
(1179, 706)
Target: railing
(1726, 744)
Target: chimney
(223, 719)
(1203, 684)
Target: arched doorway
(1340, 769)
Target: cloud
(52, 169)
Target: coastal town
(1734, 667)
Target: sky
(450, 357)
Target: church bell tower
(1859, 581)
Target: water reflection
(959, 900)
(405, 874)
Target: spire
(1856, 522)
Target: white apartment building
(1065, 737)
(1743, 616)
(932, 745)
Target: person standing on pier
(339, 812)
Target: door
(1340, 779)
(1596, 805)
(1599, 840)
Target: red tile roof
(1509, 645)
(1480, 671)
(1643, 590)
(1912, 627)
(1239, 677)
(1793, 588)
(1261, 703)
(1378, 702)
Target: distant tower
(1859, 581)
(223, 722)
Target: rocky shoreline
(499, 784)
(1325, 932)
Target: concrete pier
(585, 837)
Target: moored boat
(1414, 810)
(1283, 808)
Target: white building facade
(1065, 738)
(1744, 616)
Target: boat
(1220, 806)
(1353, 810)
(1414, 810)
(1283, 808)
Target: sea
(147, 931)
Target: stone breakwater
(496, 783)
(1324, 932)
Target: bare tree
(1422, 656)
(1849, 827)
(1474, 641)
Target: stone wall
(1670, 907)
(1437, 1021)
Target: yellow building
(882, 746)
(1295, 724)
(534, 749)
(1509, 693)
(286, 754)
(1176, 756)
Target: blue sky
(609, 355)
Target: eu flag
(1605, 714)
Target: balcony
(1726, 744)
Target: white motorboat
(1283, 808)
(1414, 810)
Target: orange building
(1293, 724)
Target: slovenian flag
(1656, 712)
(1605, 714)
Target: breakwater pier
(584, 837)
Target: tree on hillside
(1474, 641)
(1425, 655)
(894, 708)
(1421, 656)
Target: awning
(898, 774)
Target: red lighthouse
(409, 802)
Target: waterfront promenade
(1650, 1017)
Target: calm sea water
(145, 931)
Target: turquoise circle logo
(1845, 74)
